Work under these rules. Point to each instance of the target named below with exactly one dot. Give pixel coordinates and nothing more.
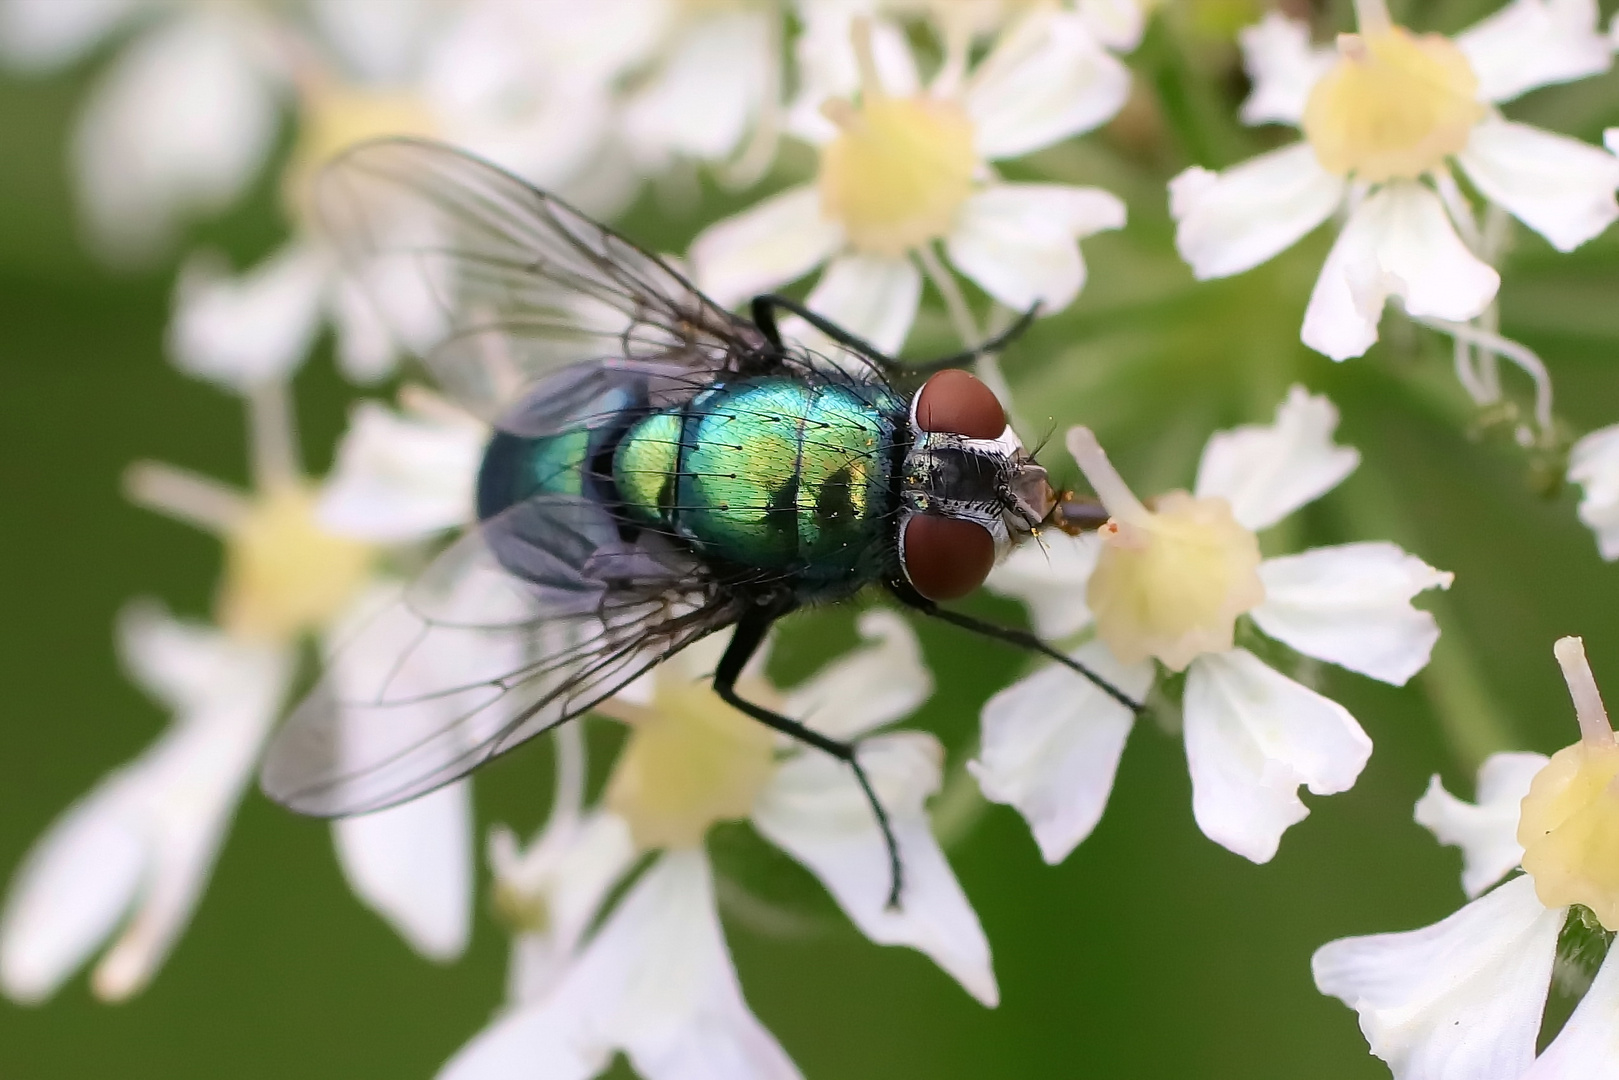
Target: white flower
(656, 981)
(288, 574)
(1464, 998)
(131, 858)
(1169, 584)
(1381, 120)
(907, 169)
(1593, 463)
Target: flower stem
(1582, 687)
(1372, 16)
(274, 436)
(1508, 349)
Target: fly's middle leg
(750, 633)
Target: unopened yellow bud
(1394, 105)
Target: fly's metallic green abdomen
(774, 474)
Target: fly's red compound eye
(957, 402)
(946, 558)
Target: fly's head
(970, 490)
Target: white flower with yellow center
(656, 981)
(1382, 117)
(1168, 583)
(137, 852)
(1465, 997)
(905, 171)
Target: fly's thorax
(969, 490)
(772, 473)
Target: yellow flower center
(1569, 822)
(898, 171)
(335, 118)
(1395, 105)
(1171, 583)
(691, 761)
(284, 575)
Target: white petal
(144, 842)
(1267, 471)
(253, 329)
(1458, 1000)
(181, 121)
(779, 240)
(412, 864)
(1558, 186)
(379, 41)
(1046, 79)
(1252, 737)
(1051, 744)
(38, 35)
(569, 869)
(815, 811)
(827, 67)
(1351, 605)
(525, 1043)
(1399, 242)
(400, 478)
(366, 350)
(700, 102)
(1019, 241)
(1530, 43)
(1593, 463)
(1610, 137)
(1118, 24)
(657, 981)
(1486, 832)
(1050, 577)
(1283, 67)
(872, 297)
(869, 688)
(73, 889)
(1232, 221)
(1588, 1046)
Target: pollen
(1170, 581)
(1569, 822)
(691, 762)
(1394, 106)
(898, 172)
(284, 575)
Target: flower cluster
(906, 169)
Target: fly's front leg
(1021, 638)
(750, 633)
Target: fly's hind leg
(750, 632)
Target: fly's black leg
(1022, 638)
(764, 306)
(764, 317)
(993, 345)
(750, 632)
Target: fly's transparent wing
(495, 283)
(517, 627)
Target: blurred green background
(1150, 952)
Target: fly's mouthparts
(1076, 515)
